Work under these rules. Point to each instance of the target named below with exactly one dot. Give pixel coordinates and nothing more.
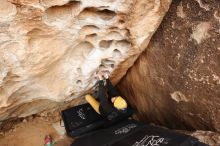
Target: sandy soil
(32, 133)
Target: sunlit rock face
(176, 81)
(51, 49)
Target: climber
(112, 108)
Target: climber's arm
(112, 91)
(101, 92)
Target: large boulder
(176, 81)
(51, 49)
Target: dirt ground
(32, 133)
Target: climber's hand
(106, 74)
(100, 75)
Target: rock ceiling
(51, 49)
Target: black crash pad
(81, 119)
(133, 133)
(78, 117)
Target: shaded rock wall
(176, 81)
(51, 49)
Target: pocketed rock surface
(51, 49)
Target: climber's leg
(101, 92)
(94, 103)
